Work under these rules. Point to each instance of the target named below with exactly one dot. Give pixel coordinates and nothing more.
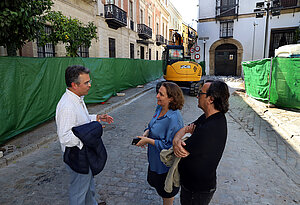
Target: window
(149, 21)
(131, 10)
(142, 52)
(156, 55)
(110, 1)
(149, 53)
(157, 28)
(132, 50)
(280, 37)
(112, 47)
(142, 17)
(226, 7)
(288, 3)
(49, 49)
(175, 54)
(226, 29)
(131, 15)
(83, 51)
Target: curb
(12, 157)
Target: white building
(175, 21)
(230, 33)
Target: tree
(20, 21)
(70, 31)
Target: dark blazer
(93, 153)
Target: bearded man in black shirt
(202, 151)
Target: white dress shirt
(71, 112)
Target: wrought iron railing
(160, 39)
(144, 31)
(227, 8)
(111, 11)
(289, 3)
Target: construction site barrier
(32, 87)
(275, 80)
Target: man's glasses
(201, 93)
(88, 82)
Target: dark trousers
(188, 197)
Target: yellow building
(185, 38)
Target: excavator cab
(177, 69)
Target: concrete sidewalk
(275, 130)
(35, 138)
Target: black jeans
(188, 197)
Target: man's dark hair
(73, 72)
(220, 93)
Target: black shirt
(206, 146)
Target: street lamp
(254, 25)
(272, 6)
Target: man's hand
(178, 143)
(105, 118)
(179, 151)
(190, 128)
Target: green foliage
(70, 31)
(20, 21)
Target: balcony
(144, 31)
(288, 3)
(225, 8)
(160, 40)
(115, 17)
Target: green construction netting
(31, 87)
(256, 76)
(285, 81)
(285, 86)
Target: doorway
(226, 60)
(142, 52)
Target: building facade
(125, 29)
(175, 23)
(232, 31)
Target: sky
(188, 10)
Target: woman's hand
(144, 141)
(146, 133)
(105, 118)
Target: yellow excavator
(177, 69)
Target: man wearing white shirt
(71, 112)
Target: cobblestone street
(257, 167)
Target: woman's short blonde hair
(175, 92)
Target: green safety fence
(256, 77)
(285, 83)
(284, 89)
(32, 87)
